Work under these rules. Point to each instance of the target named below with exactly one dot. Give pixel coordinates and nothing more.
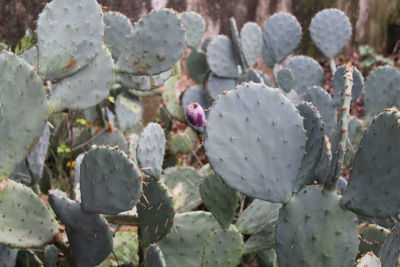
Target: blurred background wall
(375, 22)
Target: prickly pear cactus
(195, 27)
(221, 58)
(154, 257)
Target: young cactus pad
(264, 164)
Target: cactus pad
(217, 85)
(143, 82)
(129, 111)
(109, 181)
(118, 29)
(251, 40)
(265, 164)
(374, 183)
(154, 257)
(156, 212)
(285, 80)
(38, 155)
(25, 221)
(156, 44)
(8, 256)
(70, 35)
(338, 84)
(23, 111)
(151, 150)
(330, 30)
(369, 260)
(313, 230)
(220, 57)
(195, 27)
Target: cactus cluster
(234, 166)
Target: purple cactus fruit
(195, 115)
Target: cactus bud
(195, 115)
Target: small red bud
(195, 115)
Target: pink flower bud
(195, 115)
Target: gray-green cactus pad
(253, 76)
(70, 35)
(313, 230)
(330, 30)
(369, 260)
(223, 248)
(307, 72)
(285, 80)
(281, 34)
(197, 66)
(322, 100)
(338, 84)
(322, 169)
(50, 256)
(151, 150)
(125, 249)
(264, 165)
(195, 27)
(315, 137)
(156, 212)
(217, 85)
(23, 111)
(154, 257)
(252, 42)
(143, 82)
(88, 87)
(220, 57)
(257, 216)
(25, 220)
(372, 238)
(170, 98)
(182, 183)
(382, 90)
(110, 182)
(156, 44)
(8, 256)
(129, 111)
(221, 200)
(264, 239)
(117, 30)
(389, 253)
(31, 55)
(196, 94)
(38, 155)
(183, 246)
(374, 185)
(89, 235)
(114, 139)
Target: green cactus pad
(338, 84)
(89, 235)
(197, 66)
(25, 221)
(264, 239)
(369, 260)
(330, 30)
(143, 82)
(109, 181)
(374, 183)
(390, 251)
(220, 57)
(281, 34)
(156, 44)
(31, 56)
(257, 216)
(285, 80)
(315, 137)
(133, 143)
(372, 238)
(151, 150)
(355, 133)
(253, 76)
(23, 111)
(223, 248)
(154, 257)
(216, 85)
(182, 183)
(50, 256)
(182, 141)
(183, 246)
(70, 35)
(88, 87)
(156, 212)
(125, 249)
(251, 39)
(265, 164)
(170, 98)
(267, 257)
(322, 168)
(112, 139)
(195, 27)
(307, 72)
(313, 230)
(322, 100)
(382, 90)
(8, 256)
(117, 30)
(37, 156)
(129, 111)
(221, 200)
